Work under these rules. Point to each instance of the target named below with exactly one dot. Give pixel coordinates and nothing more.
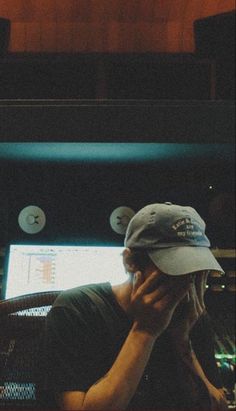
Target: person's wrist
(144, 332)
(184, 347)
(182, 340)
(179, 336)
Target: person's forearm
(216, 395)
(118, 386)
(189, 357)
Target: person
(146, 343)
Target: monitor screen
(37, 268)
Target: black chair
(5, 28)
(21, 325)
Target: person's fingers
(151, 283)
(218, 403)
(200, 283)
(199, 307)
(192, 291)
(206, 275)
(174, 296)
(193, 308)
(158, 294)
(137, 281)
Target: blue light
(112, 152)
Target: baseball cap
(174, 238)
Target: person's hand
(200, 284)
(154, 300)
(189, 310)
(217, 398)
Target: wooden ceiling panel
(147, 10)
(81, 10)
(33, 37)
(64, 37)
(18, 37)
(191, 13)
(174, 36)
(162, 9)
(44, 10)
(206, 8)
(49, 36)
(102, 12)
(221, 6)
(88, 37)
(64, 10)
(4, 9)
(119, 25)
(80, 36)
(177, 10)
(130, 11)
(12, 9)
(118, 10)
(28, 10)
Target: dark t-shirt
(85, 331)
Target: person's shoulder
(73, 297)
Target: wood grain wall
(106, 25)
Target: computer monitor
(36, 268)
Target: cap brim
(184, 260)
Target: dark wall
(113, 76)
(78, 199)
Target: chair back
(21, 326)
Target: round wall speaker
(32, 219)
(120, 218)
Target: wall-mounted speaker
(215, 36)
(120, 218)
(32, 219)
(5, 27)
(215, 39)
